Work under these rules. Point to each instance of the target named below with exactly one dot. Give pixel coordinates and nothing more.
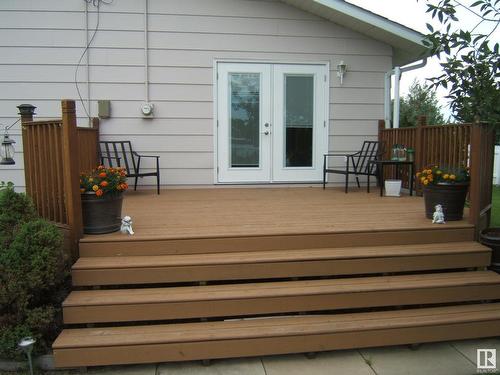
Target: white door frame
(321, 121)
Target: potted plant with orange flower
(102, 196)
(447, 187)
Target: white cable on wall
(88, 43)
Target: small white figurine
(127, 225)
(438, 216)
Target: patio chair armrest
(327, 155)
(148, 156)
(144, 156)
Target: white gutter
(146, 53)
(397, 71)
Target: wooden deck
(231, 272)
(227, 212)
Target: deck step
(278, 263)
(92, 306)
(223, 339)
(103, 246)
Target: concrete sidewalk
(450, 358)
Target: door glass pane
(299, 119)
(245, 113)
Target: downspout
(387, 99)
(146, 53)
(397, 71)
(397, 78)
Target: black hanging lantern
(7, 150)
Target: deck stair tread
(274, 327)
(279, 289)
(249, 257)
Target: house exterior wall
(41, 42)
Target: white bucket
(392, 188)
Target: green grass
(495, 212)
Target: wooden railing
(467, 145)
(55, 152)
(440, 145)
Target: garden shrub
(33, 275)
(15, 209)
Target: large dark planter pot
(491, 237)
(450, 196)
(101, 214)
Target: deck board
(222, 212)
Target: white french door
(271, 122)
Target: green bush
(15, 209)
(33, 275)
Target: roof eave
(407, 43)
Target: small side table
(380, 165)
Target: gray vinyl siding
(41, 42)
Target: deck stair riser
(278, 297)
(89, 271)
(91, 247)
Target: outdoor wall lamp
(7, 147)
(341, 69)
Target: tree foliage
(470, 69)
(421, 100)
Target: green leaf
(429, 27)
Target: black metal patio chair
(357, 163)
(121, 154)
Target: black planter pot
(450, 196)
(101, 214)
(491, 237)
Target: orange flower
(426, 182)
(452, 177)
(100, 167)
(82, 190)
(104, 183)
(419, 174)
(102, 174)
(446, 176)
(95, 187)
(99, 192)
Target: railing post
(381, 128)
(482, 144)
(71, 173)
(27, 111)
(95, 125)
(419, 149)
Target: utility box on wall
(104, 108)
